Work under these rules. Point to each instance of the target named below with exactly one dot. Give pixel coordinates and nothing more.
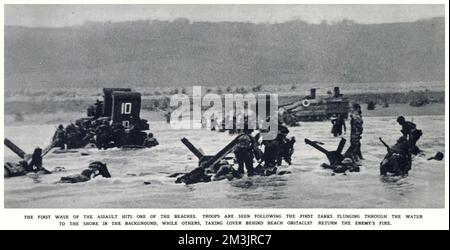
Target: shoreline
(60, 117)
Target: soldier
(356, 131)
(225, 171)
(23, 167)
(338, 124)
(103, 133)
(283, 131)
(410, 131)
(398, 158)
(95, 169)
(98, 109)
(74, 136)
(245, 152)
(286, 150)
(271, 152)
(347, 164)
(150, 141)
(60, 137)
(118, 134)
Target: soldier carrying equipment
(398, 158)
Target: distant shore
(61, 117)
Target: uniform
(398, 158)
(103, 133)
(60, 137)
(118, 134)
(338, 124)
(409, 130)
(150, 141)
(356, 123)
(244, 152)
(95, 169)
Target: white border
(433, 218)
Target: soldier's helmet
(347, 160)
(101, 167)
(402, 139)
(400, 119)
(356, 106)
(223, 162)
(60, 126)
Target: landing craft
(119, 115)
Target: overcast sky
(69, 15)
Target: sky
(70, 15)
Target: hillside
(159, 53)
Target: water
(308, 186)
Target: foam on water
(308, 186)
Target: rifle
(385, 144)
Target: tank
(314, 108)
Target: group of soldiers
(268, 153)
(399, 157)
(246, 147)
(103, 134)
(250, 148)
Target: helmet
(347, 161)
(402, 139)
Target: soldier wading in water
(410, 131)
(245, 151)
(338, 124)
(356, 130)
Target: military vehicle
(113, 122)
(313, 108)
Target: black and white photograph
(225, 106)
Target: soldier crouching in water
(398, 159)
(95, 169)
(150, 141)
(356, 130)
